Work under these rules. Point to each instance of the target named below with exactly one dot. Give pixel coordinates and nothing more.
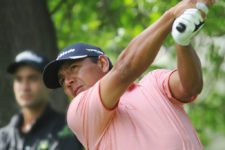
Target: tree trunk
(25, 24)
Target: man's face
(29, 88)
(79, 75)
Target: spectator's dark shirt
(49, 132)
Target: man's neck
(30, 115)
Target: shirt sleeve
(87, 117)
(4, 137)
(161, 77)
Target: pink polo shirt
(147, 117)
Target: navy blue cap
(30, 58)
(72, 52)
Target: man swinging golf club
(110, 111)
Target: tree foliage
(112, 24)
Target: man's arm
(186, 82)
(139, 54)
(134, 60)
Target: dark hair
(95, 60)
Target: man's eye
(73, 68)
(18, 79)
(33, 78)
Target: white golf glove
(186, 26)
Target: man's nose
(25, 86)
(69, 81)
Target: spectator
(37, 126)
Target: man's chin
(31, 105)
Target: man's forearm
(189, 70)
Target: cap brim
(50, 73)
(15, 65)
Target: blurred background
(47, 26)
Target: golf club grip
(181, 27)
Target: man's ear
(103, 63)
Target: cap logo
(76, 57)
(27, 55)
(94, 50)
(66, 52)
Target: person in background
(37, 126)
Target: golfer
(110, 111)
